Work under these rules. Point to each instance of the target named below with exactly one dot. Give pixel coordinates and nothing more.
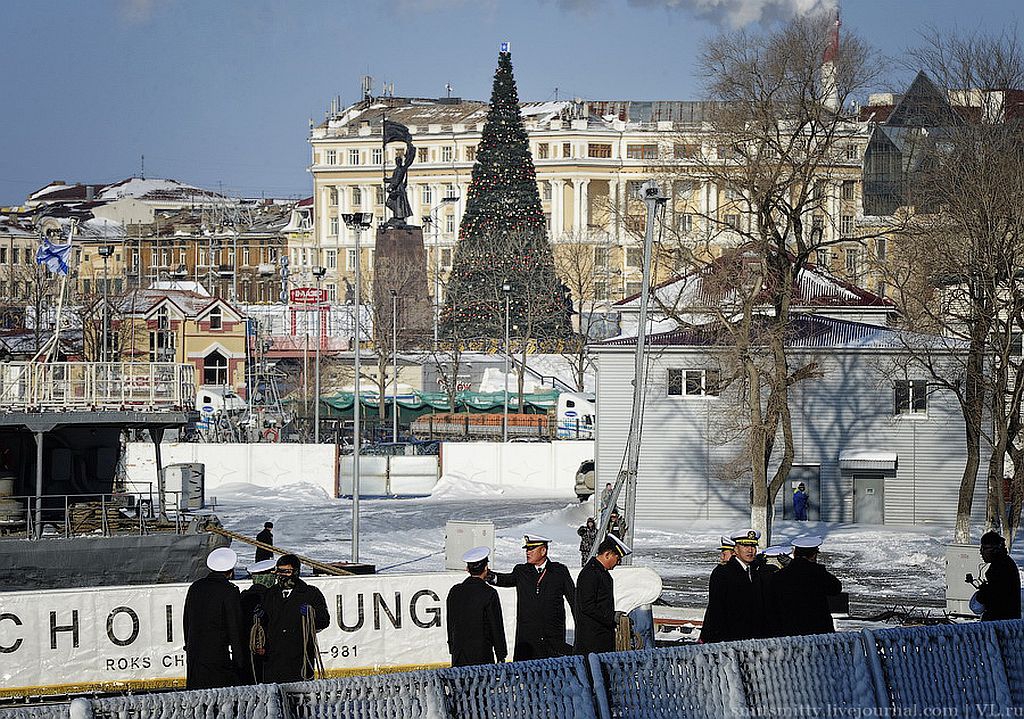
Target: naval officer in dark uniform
(800, 592)
(542, 588)
(735, 599)
(215, 652)
(476, 631)
(595, 598)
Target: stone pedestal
(400, 264)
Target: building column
(556, 209)
(584, 207)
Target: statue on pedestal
(397, 200)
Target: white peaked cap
(222, 559)
(476, 554)
(262, 566)
(777, 550)
(807, 542)
(621, 548)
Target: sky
(220, 93)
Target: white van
(576, 414)
(217, 400)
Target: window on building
(215, 369)
(353, 157)
(566, 149)
(165, 258)
(818, 191)
(846, 225)
(848, 189)
(542, 150)
(447, 153)
(245, 256)
(350, 260)
(881, 249)
(422, 154)
(910, 396)
(732, 220)
(449, 223)
(600, 290)
(693, 382)
(852, 260)
(684, 223)
(727, 152)
(634, 189)
(332, 292)
(450, 193)
(686, 151)
(601, 256)
(633, 288)
(851, 152)
(377, 156)
(545, 190)
(634, 257)
(446, 257)
(216, 318)
(3, 255)
(599, 149)
(332, 259)
(470, 153)
(642, 152)
(331, 157)
(334, 227)
(428, 195)
(380, 195)
(357, 197)
(272, 254)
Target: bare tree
(959, 273)
(779, 130)
(579, 271)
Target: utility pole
(105, 252)
(394, 366)
(506, 288)
(318, 273)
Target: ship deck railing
(92, 386)
(134, 512)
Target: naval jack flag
(55, 257)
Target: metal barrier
(75, 515)
(68, 386)
(960, 670)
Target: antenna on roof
(556, 94)
(142, 167)
(367, 87)
(448, 88)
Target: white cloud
(739, 13)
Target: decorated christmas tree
(503, 239)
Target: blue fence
(965, 670)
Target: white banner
(131, 637)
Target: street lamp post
(318, 273)
(105, 252)
(357, 221)
(506, 288)
(394, 366)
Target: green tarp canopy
(420, 403)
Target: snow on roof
(101, 227)
(182, 285)
(714, 285)
(153, 189)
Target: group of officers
(476, 631)
(266, 633)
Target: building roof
(715, 283)
(804, 331)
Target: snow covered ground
(880, 567)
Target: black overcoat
(1000, 593)
(735, 604)
(252, 611)
(215, 652)
(540, 611)
(476, 634)
(595, 609)
(799, 599)
(289, 657)
(267, 537)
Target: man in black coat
(263, 578)
(267, 537)
(476, 631)
(541, 586)
(800, 592)
(215, 652)
(595, 599)
(1000, 591)
(293, 613)
(735, 599)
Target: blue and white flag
(55, 257)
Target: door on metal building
(868, 499)
(807, 475)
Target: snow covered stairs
(963, 670)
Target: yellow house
(186, 326)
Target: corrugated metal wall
(692, 445)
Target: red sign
(307, 296)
